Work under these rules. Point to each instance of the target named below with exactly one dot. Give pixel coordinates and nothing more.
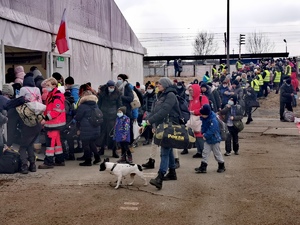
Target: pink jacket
(19, 71)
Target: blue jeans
(167, 160)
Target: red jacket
(195, 104)
(55, 110)
(294, 81)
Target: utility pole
(241, 42)
(227, 40)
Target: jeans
(199, 144)
(167, 159)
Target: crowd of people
(66, 120)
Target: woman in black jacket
(88, 132)
(109, 102)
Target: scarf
(122, 87)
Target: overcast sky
(168, 27)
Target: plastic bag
(36, 107)
(136, 130)
(195, 123)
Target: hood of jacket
(88, 98)
(196, 91)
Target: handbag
(136, 102)
(194, 123)
(169, 135)
(238, 124)
(254, 104)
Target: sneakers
(197, 155)
(227, 154)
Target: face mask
(120, 114)
(179, 87)
(224, 85)
(119, 82)
(230, 102)
(111, 89)
(150, 91)
(49, 89)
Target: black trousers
(265, 89)
(283, 105)
(248, 111)
(89, 147)
(125, 149)
(233, 135)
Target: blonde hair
(50, 80)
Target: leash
(113, 167)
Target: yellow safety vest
(277, 77)
(288, 68)
(214, 71)
(239, 65)
(260, 80)
(255, 85)
(268, 76)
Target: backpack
(184, 109)
(96, 117)
(223, 128)
(29, 117)
(10, 162)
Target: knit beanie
(123, 76)
(110, 83)
(28, 80)
(123, 109)
(7, 89)
(204, 85)
(205, 110)
(165, 82)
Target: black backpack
(184, 108)
(10, 162)
(96, 117)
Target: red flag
(62, 38)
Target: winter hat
(204, 85)
(110, 83)
(165, 82)
(288, 81)
(142, 87)
(123, 76)
(205, 110)
(235, 82)
(7, 89)
(234, 99)
(28, 80)
(123, 109)
(137, 84)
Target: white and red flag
(62, 38)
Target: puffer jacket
(196, 102)
(55, 110)
(109, 103)
(149, 99)
(210, 129)
(122, 129)
(227, 112)
(285, 93)
(166, 108)
(86, 105)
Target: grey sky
(167, 27)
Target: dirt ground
(260, 186)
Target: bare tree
(257, 42)
(205, 44)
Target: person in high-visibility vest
(261, 83)
(288, 69)
(277, 79)
(267, 78)
(239, 65)
(255, 85)
(206, 78)
(214, 71)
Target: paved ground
(260, 186)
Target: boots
(185, 151)
(157, 182)
(202, 168)
(87, 162)
(32, 167)
(24, 169)
(71, 156)
(97, 159)
(177, 164)
(171, 175)
(221, 168)
(249, 120)
(149, 164)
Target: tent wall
(102, 44)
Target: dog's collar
(113, 167)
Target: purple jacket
(122, 129)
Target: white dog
(121, 170)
